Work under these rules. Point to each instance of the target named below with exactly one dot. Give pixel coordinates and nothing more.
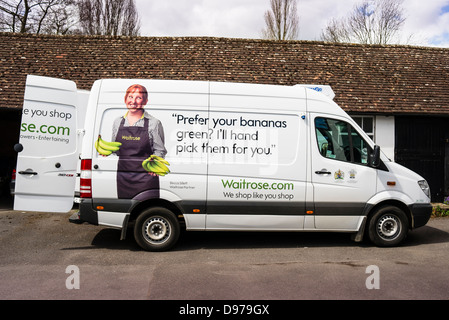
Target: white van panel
(104, 175)
(195, 222)
(111, 219)
(181, 107)
(41, 202)
(113, 86)
(404, 188)
(46, 168)
(182, 187)
(319, 103)
(255, 103)
(162, 93)
(255, 222)
(261, 140)
(338, 223)
(256, 98)
(258, 90)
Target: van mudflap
(85, 214)
(75, 218)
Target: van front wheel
(156, 229)
(388, 226)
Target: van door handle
(28, 172)
(323, 171)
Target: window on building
(367, 124)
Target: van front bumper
(421, 213)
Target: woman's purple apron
(132, 178)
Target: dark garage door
(421, 144)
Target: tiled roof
(365, 78)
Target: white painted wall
(384, 134)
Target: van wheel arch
(388, 223)
(393, 203)
(141, 206)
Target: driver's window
(340, 141)
(360, 148)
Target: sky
(427, 21)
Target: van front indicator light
(424, 187)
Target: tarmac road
(37, 250)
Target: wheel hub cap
(156, 230)
(388, 227)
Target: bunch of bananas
(105, 148)
(156, 164)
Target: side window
(340, 141)
(361, 149)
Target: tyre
(388, 226)
(156, 229)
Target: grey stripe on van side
(340, 208)
(277, 208)
(248, 207)
(256, 207)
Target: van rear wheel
(388, 226)
(156, 229)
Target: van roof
(112, 91)
(218, 87)
(324, 89)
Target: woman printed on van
(142, 137)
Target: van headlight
(424, 187)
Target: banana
(160, 166)
(111, 143)
(160, 159)
(156, 164)
(101, 150)
(145, 164)
(105, 148)
(153, 168)
(108, 145)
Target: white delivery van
(161, 155)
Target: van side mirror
(374, 160)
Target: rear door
(46, 165)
